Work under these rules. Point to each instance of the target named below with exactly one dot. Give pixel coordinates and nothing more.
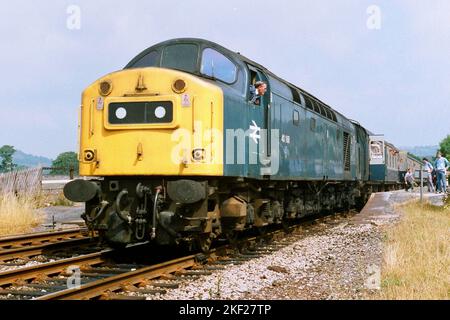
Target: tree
(445, 146)
(64, 162)
(6, 153)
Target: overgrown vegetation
(61, 200)
(64, 162)
(18, 214)
(417, 254)
(445, 146)
(6, 155)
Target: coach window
(150, 59)
(216, 65)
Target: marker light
(179, 86)
(105, 87)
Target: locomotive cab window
(216, 65)
(150, 59)
(180, 57)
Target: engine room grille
(347, 142)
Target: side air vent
(347, 142)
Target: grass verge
(416, 258)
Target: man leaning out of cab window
(257, 91)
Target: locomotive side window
(316, 107)
(329, 115)
(295, 95)
(181, 57)
(313, 124)
(322, 109)
(333, 115)
(216, 65)
(296, 117)
(151, 59)
(308, 103)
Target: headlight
(160, 112)
(121, 113)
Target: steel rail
(39, 238)
(97, 289)
(30, 251)
(51, 268)
(110, 287)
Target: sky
(383, 63)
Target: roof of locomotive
(236, 56)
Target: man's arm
(253, 94)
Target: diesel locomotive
(172, 150)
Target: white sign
(100, 103)
(185, 100)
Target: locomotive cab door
(258, 142)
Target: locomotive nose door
(258, 155)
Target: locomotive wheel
(116, 245)
(231, 236)
(262, 231)
(285, 225)
(204, 243)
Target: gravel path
(63, 217)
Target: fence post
(421, 184)
(71, 171)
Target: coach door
(258, 141)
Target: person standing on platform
(441, 165)
(429, 169)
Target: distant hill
(422, 151)
(23, 159)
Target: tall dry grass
(417, 255)
(20, 195)
(18, 214)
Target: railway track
(158, 278)
(37, 280)
(101, 276)
(27, 247)
(33, 239)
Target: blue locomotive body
(288, 156)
